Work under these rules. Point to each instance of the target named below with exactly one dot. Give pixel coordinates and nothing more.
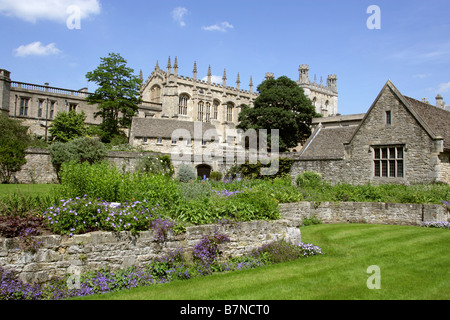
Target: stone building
(399, 140)
(165, 95)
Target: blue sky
(249, 37)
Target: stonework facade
(399, 140)
(165, 95)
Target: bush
(14, 141)
(11, 227)
(79, 150)
(155, 165)
(186, 173)
(216, 176)
(283, 251)
(309, 179)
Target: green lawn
(413, 261)
(31, 189)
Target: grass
(413, 264)
(26, 189)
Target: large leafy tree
(14, 140)
(282, 105)
(117, 95)
(68, 126)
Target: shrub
(13, 142)
(155, 165)
(308, 179)
(186, 173)
(283, 251)
(25, 205)
(11, 227)
(68, 126)
(216, 176)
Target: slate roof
(163, 128)
(327, 143)
(438, 119)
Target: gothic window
(215, 110)
(208, 111)
(388, 162)
(73, 107)
(182, 107)
(155, 94)
(24, 106)
(229, 112)
(314, 100)
(201, 111)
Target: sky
(364, 43)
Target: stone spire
(238, 82)
(194, 72)
(251, 85)
(209, 74)
(157, 65)
(141, 76)
(175, 67)
(169, 67)
(224, 78)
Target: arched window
(182, 106)
(201, 111)
(314, 100)
(215, 109)
(229, 112)
(155, 94)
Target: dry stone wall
(362, 212)
(58, 256)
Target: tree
(14, 140)
(68, 125)
(281, 105)
(117, 96)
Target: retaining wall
(366, 212)
(59, 256)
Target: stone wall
(373, 213)
(58, 255)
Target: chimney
(439, 101)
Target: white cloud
(444, 87)
(36, 49)
(222, 27)
(422, 75)
(214, 79)
(178, 15)
(52, 10)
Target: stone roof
(437, 119)
(163, 128)
(327, 143)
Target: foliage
(156, 165)
(12, 227)
(186, 173)
(436, 224)
(82, 149)
(84, 214)
(14, 141)
(253, 170)
(281, 105)
(309, 179)
(23, 205)
(283, 251)
(207, 250)
(216, 176)
(117, 95)
(68, 126)
(311, 221)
